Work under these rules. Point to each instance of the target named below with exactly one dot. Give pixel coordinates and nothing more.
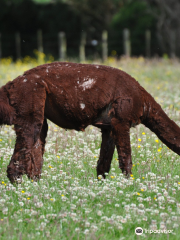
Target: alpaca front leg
(106, 153)
(121, 137)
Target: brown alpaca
(74, 96)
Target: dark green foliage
(135, 16)
(27, 17)
(73, 17)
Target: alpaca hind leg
(121, 137)
(106, 153)
(43, 134)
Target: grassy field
(69, 202)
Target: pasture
(69, 202)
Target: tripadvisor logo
(138, 231)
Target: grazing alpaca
(74, 96)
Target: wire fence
(60, 47)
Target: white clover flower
(153, 227)
(141, 205)
(123, 220)
(43, 224)
(33, 213)
(105, 188)
(178, 205)
(21, 203)
(5, 210)
(94, 228)
(133, 205)
(39, 204)
(99, 213)
(90, 182)
(77, 229)
(92, 194)
(165, 193)
(127, 207)
(140, 212)
(86, 231)
(87, 224)
(156, 211)
(46, 196)
(140, 199)
(174, 218)
(168, 221)
(175, 225)
(162, 225)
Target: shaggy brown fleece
(74, 96)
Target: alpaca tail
(6, 111)
(158, 122)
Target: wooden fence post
(0, 46)
(39, 40)
(18, 45)
(82, 53)
(172, 43)
(62, 46)
(104, 45)
(148, 43)
(127, 42)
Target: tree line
(160, 17)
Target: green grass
(69, 203)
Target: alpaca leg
(122, 140)
(106, 153)
(43, 134)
